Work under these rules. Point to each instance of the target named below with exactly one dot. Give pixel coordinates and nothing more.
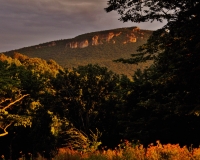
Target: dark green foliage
(143, 11)
(90, 98)
(17, 81)
(164, 102)
(8, 78)
(87, 97)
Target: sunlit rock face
(73, 45)
(95, 40)
(136, 29)
(131, 37)
(100, 39)
(81, 44)
(108, 37)
(117, 34)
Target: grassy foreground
(129, 152)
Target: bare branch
(17, 100)
(4, 100)
(4, 129)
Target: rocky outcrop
(73, 45)
(118, 34)
(108, 36)
(100, 39)
(81, 44)
(95, 40)
(136, 29)
(130, 38)
(84, 44)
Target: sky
(26, 23)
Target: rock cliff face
(81, 44)
(130, 38)
(84, 44)
(100, 39)
(109, 37)
(95, 40)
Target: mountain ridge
(101, 47)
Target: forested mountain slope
(95, 48)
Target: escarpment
(130, 36)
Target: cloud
(25, 23)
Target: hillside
(96, 48)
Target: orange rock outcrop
(95, 40)
(81, 44)
(106, 38)
(130, 38)
(84, 44)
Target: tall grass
(128, 151)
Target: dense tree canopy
(22, 103)
(145, 10)
(10, 95)
(90, 96)
(64, 107)
(165, 97)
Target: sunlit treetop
(150, 10)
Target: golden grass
(129, 152)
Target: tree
(89, 97)
(145, 10)
(165, 97)
(24, 94)
(7, 119)
(10, 96)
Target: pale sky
(25, 23)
